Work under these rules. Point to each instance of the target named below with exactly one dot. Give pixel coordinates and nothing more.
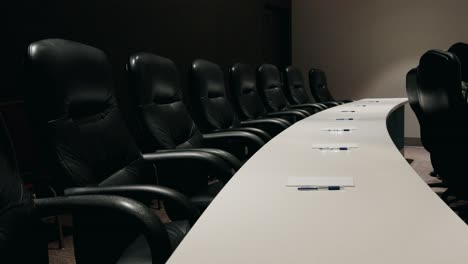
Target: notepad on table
(320, 181)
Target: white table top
(390, 216)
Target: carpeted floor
(420, 163)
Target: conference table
(389, 216)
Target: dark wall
(219, 30)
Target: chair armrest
(313, 107)
(221, 168)
(331, 103)
(262, 134)
(142, 193)
(273, 126)
(295, 114)
(226, 156)
(145, 220)
(224, 140)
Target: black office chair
(85, 141)
(425, 134)
(23, 238)
(460, 50)
(319, 88)
(269, 87)
(164, 121)
(210, 105)
(246, 102)
(445, 115)
(294, 89)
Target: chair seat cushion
(139, 253)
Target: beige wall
(367, 46)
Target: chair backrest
(294, 87)
(163, 117)
(70, 95)
(244, 92)
(207, 95)
(20, 239)
(269, 87)
(444, 114)
(460, 50)
(319, 86)
(412, 92)
(439, 83)
(71, 102)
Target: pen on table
(339, 130)
(345, 119)
(315, 188)
(337, 148)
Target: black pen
(315, 188)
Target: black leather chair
(460, 50)
(444, 113)
(210, 105)
(85, 141)
(294, 89)
(425, 134)
(23, 236)
(164, 121)
(319, 88)
(247, 101)
(269, 86)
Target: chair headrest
(269, 76)
(294, 76)
(318, 76)
(243, 78)
(439, 82)
(154, 79)
(208, 79)
(68, 78)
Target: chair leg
(58, 223)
